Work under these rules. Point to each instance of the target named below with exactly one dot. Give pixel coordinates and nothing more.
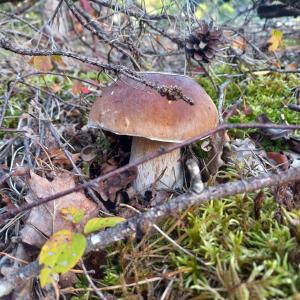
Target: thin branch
(221, 92)
(133, 12)
(92, 26)
(20, 171)
(119, 69)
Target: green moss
(269, 94)
(234, 255)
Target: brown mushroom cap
(128, 107)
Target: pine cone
(204, 42)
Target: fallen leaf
(7, 200)
(109, 166)
(59, 60)
(59, 158)
(78, 88)
(96, 224)
(87, 6)
(72, 214)
(55, 87)
(275, 40)
(46, 219)
(42, 63)
(280, 159)
(276, 64)
(294, 158)
(60, 254)
(109, 188)
(239, 44)
(244, 153)
(78, 27)
(272, 133)
(291, 67)
(261, 73)
(294, 107)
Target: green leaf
(72, 214)
(46, 276)
(60, 254)
(96, 224)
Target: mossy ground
(234, 254)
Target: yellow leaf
(59, 60)
(42, 63)
(72, 214)
(275, 40)
(60, 254)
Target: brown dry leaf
(291, 67)
(239, 43)
(88, 8)
(55, 87)
(109, 188)
(7, 200)
(272, 133)
(276, 64)
(280, 159)
(228, 33)
(46, 219)
(59, 158)
(42, 63)
(109, 166)
(78, 27)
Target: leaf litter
(46, 219)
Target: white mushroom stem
(164, 171)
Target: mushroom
(129, 107)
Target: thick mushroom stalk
(163, 172)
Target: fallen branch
(196, 195)
(161, 151)
(179, 204)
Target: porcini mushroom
(129, 107)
